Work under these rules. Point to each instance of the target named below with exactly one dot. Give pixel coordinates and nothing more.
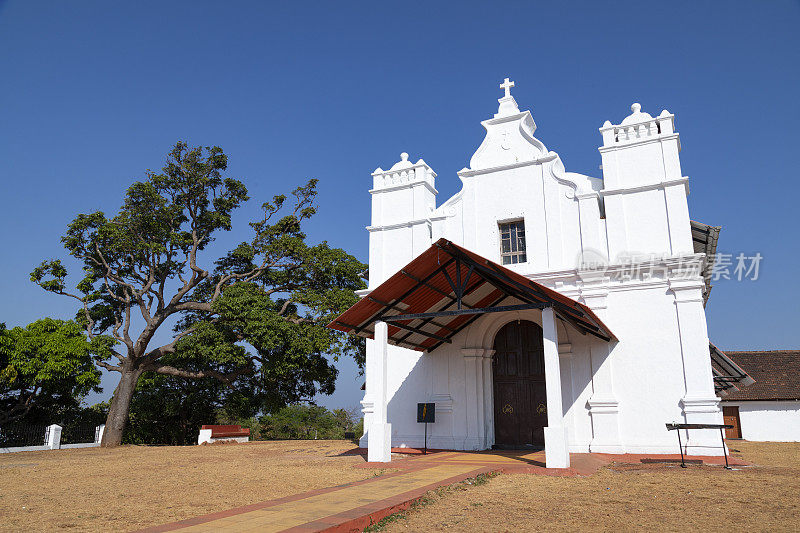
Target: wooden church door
(730, 416)
(520, 397)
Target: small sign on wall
(426, 413)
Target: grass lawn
(765, 497)
(131, 487)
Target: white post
(54, 437)
(98, 433)
(488, 398)
(555, 434)
(379, 447)
(473, 374)
(204, 436)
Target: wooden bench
(216, 433)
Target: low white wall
(234, 439)
(15, 449)
(43, 448)
(769, 421)
(53, 441)
(80, 445)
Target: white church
(539, 307)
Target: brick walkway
(354, 506)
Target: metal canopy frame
(727, 374)
(704, 240)
(482, 310)
(445, 289)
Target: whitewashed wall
(777, 421)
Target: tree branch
(108, 366)
(227, 379)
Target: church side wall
(576, 376)
(439, 377)
(646, 221)
(391, 249)
(405, 387)
(408, 385)
(777, 421)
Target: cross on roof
(507, 85)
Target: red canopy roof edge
(425, 285)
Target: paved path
(318, 511)
(354, 506)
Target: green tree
(47, 367)
(305, 421)
(272, 291)
(170, 410)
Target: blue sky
(94, 93)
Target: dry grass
(132, 486)
(765, 497)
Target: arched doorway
(520, 397)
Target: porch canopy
(446, 288)
(728, 376)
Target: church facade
(598, 336)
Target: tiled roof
(777, 375)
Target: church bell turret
(403, 198)
(644, 192)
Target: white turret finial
(637, 116)
(403, 164)
(507, 85)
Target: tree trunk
(120, 406)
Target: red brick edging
(358, 518)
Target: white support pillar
(473, 377)
(53, 437)
(700, 403)
(379, 447)
(603, 405)
(488, 398)
(555, 434)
